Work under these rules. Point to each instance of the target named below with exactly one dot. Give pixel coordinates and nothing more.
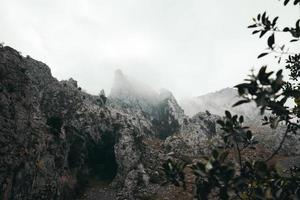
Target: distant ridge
(217, 102)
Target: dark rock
(54, 136)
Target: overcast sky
(190, 47)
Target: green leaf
(286, 29)
(279, 73)
(241, 119)
(234, 118)
(221, 122)
(258, 17)
(274, 21)
(249, 135)
(298, 24)
(256, 31)
(263, 77)
(263, 16)
(271, 41)
(241, 102)
(252, 26)
(286, 2)
(227, 114)
(262, 55)
(263, 32)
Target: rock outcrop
(158, 113)
(54, 136)
(197, 136)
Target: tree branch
(238, 151)
(280, 145)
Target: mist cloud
(190, 47)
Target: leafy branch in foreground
(263, 24)
(229, 173)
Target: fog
(190, 47)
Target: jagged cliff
(159, 110)
(55, 137)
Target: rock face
(196, 136)
(158, 113)
(54, 136)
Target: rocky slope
(217, 102)
(159, 110)
(57, 141)
(55, 136)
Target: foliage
(174, 172)
(228, 173)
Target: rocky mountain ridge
(161, 110)
(219, 101)
(56, 138)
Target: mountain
(57, 140)
(55, 137)
(219, 101)
(132, 93)
(140, 100)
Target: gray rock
(54, 136)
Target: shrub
(222, 177)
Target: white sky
(190, 47)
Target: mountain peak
(131, 91)
(119, 73)
(165, 94)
